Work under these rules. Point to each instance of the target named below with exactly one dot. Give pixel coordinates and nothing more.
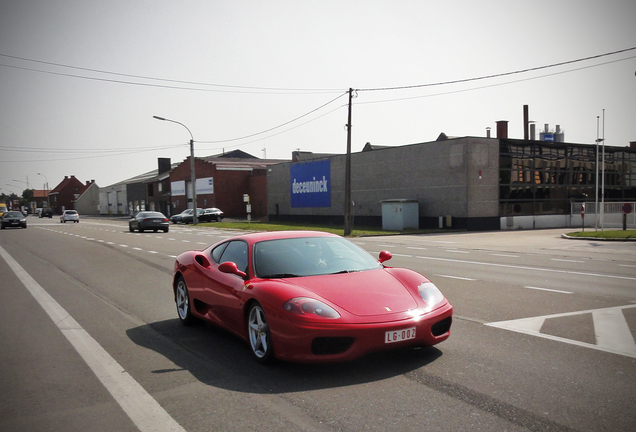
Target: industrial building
(471, 183)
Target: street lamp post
(193, 177)
(46, 188)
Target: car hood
(365, 293)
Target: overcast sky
(80, 80)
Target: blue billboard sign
(311, 184)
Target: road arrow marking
(610, 327)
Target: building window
(544, 178)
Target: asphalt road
(542, 340)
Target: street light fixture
(193, 177)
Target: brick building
(222, 181)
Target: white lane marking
(627, 265)
(456, 277)
(528, 268)
(123, 245)
(136, 248)
(137, 403)
(402, 255)
(567, 260)
(548, 289)
(610, 321)
(612, 331)
(505, 255)
(418, 248)
(457, 251)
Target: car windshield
(71, 212)
(310, 256)
(13, 214)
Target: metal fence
(610, 217)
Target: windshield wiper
(280, 275)
(345, 271)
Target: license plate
(399, 335)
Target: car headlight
(430, 294)
(309, 307)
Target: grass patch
(611, 234)
(269, 226)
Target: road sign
(627, 208)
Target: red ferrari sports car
(305, 296)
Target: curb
(565, 236)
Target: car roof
(278, 235)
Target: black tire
(165, 230)
(130, 228)
(182, 301)
(141, 229)
(259, 336)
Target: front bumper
(340, 342)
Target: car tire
(130, 228)
(165, 230)
(260, 337)
(141, 229)
(182, 301)
(218, 218)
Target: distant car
(211, 214)
(70, 216)
(149, 220)
(307, 296)
(187, 219)
(46, 212)
(38, 211)
(179, 217)
(13, 219)
(3, 209)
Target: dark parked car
(149, 220)
(179, 217)
(187, 218)
(13, 219)
(46, 212)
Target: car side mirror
(231, 268)
(385, 256)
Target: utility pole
(347, 217)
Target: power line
(276, 127)
(84, 150)
(231, 88)
(499, 74)
(491, 85)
